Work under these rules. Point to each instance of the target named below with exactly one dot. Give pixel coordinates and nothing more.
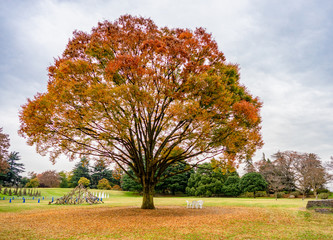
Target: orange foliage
(163, 223)
(116, 187)
(132, 92)
(117, 173)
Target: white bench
(195, 204)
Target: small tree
(33, 183)
(84, 181)
(252, 182)
(49, 179)
(104, 184)
(63, 179)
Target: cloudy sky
(283, 47)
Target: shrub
(295, 193)
(116, 187)
(322, 190)
(208, 193)
(280, 194)
(190, 191)
(104, 184)
(84, 181)
(261, 194)
(323, 195)
(33, 183)
(247, 195)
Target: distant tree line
(287, 172)
(291, 171)
(96, 176)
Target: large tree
(309, 172)
(273, 174)
(132, 93)
(284, 164)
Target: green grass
(122, 198)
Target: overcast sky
(284, 50)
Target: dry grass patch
(165, 223)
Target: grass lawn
(120, 217)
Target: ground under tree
(145, 98)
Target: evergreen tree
(99, 172)
(252, 182)
(207, 181)
(81, 169)
(12, 177)
(24, 181)
(129, 184)
(63, 179)
(176, 183)
(231, 186)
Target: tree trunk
(148, 197)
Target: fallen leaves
(161, 223)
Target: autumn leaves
(143, 97)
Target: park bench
(195, 204)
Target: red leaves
(130, 91)
(247, 111)
(185, 35)
(124, 63)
